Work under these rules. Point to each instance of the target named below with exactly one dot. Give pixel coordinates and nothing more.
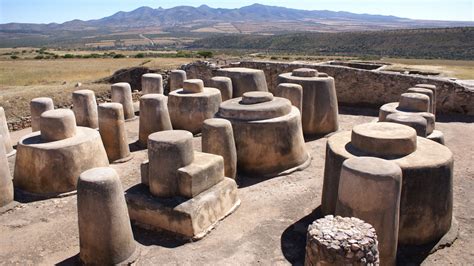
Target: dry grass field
(23, 80)
(459, 69)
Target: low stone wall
(359, 87)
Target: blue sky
(45, 11)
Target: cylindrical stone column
(292, 92)
(369, 189)
(122, 93)
(37, 107)
(85, 108)
(7, 142)
(167, 152)
(414, 102)
(6, 183)
(218, 138)
(426, 92)
(341, 241)
(435, 92)
(57, 125)
(113, 133)
(412, 120)
(154, 116)
(224, 84)
(176, 79)
(105, 233)
(152, 83)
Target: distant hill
(447, 43)
(202, 21)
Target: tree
(205, 54)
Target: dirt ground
(267, 229)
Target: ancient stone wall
(359, 87)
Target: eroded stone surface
(122, 93)
(415, 121)
(7, 143)
(152, 83)
(37, 107)
(176, 79)
(244, 80)
(224, 85)
(6, 184)
(112, 132)
(85, 108)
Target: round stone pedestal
(49, 162)
(154, 116)
(152, 83)
(105, 232)
(341, 241)
(85, 108)
(426, 92)
(188, 109)
(7, 142)
(113, 133)
(427, 189)
(415, 121)
(414, 102)
(320, 110)
(292, 92)
(6, 184)
(176, 79)
(224, 85)
(244, 79)
(37, 107)
(268, 134)
(369, 189)
(392, 108)
(122, 93)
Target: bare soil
(267, 229)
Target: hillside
(447, 43)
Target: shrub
(119, 56)
(14, 57)
(140, 55)
(68, 56)
(205, 54)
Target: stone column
(152, 83)
(369, 189)
(57, 125)
(414, 102)
(412, 120)
(341, 241)
(6, 183)
(224, 84)
(218, 138)
(85, 108)
(154, 116)
(176, 79)
(435, 92)
(105, 233)
(113, 133)
(7, 142)
(292, 92)
(37, 107)
(167, 152)
(122, 93)
(244, 79)
(426, 92)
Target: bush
(39, 57)
(14, 57)
(68, 56)
(205, 54)
(119, 56)
(140, 55)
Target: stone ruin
(182, 191)
(5, 133)
(386, 182)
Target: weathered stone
(384, 139)
(426, 92)
(193, 85)
(122, 93)
(189, 110)
(369, 189)
(167, 152)
(6, 184)
(113, 133)
(259, 131)
(154, 116)
(413, 120)
(427, 192)
(218, 138)
(391, 108)
(176, 79)
(435, 93)
(414, 102)
(57, 124)
(224, 85)
(105, 232)
(244, 80)
(292, 92)
(85, 108)
(152, 83)
(254, 97)
(37, 107)
(341, 241)
(50, 161)
(7, 142)
(436, 136)
(320, 110)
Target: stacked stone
(319, 108)
(7, 142)
(427, 169)
(6, 184)
(122, 93)
(341, 241)
(183, 191)
(113, 133)
(191, 105)
(37, 107)
(85, 108)
(415, 103)
(244, 80)
(152, 83)
(50, 161)
(176, 79)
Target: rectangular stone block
(205, 171)
(190, 218)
